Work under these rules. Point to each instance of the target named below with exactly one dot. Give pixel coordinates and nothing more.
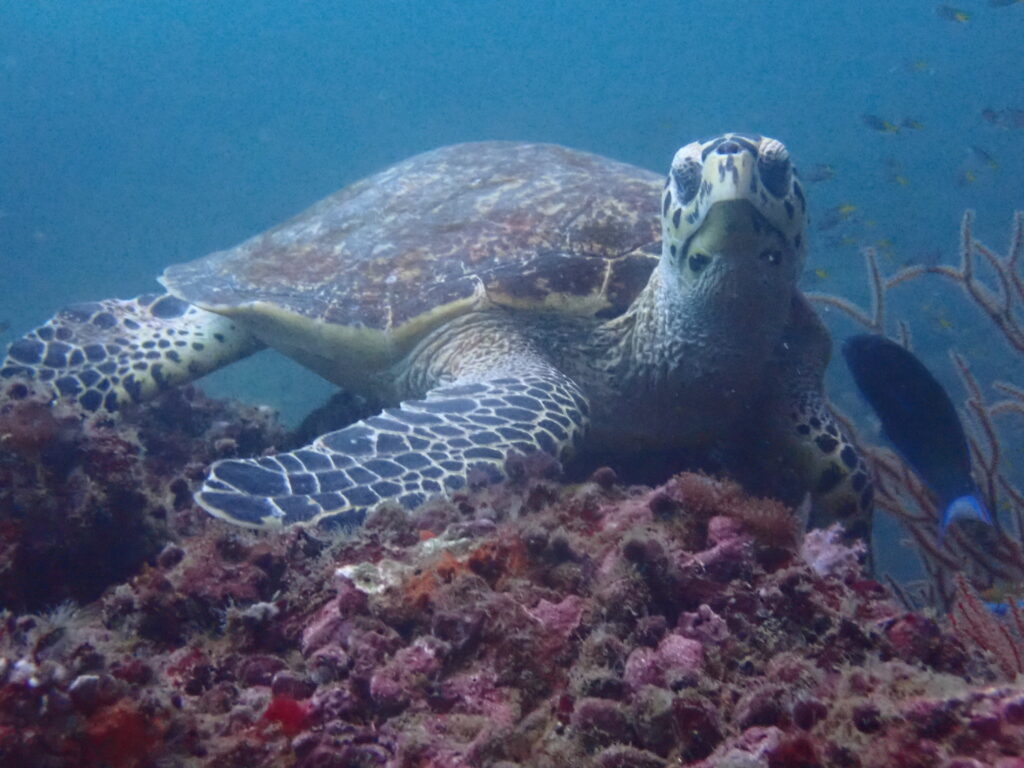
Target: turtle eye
(687, 180)
(697, 261)
(774, 168)
(772, 255)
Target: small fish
(978, 155)
(819, 172)
(920, 421)
(835, 216)
(949, 13)
(815, 276)
(1006, 119)
(993, 116)
(965, 177)
(876, 123)
(919, 65)
(912, 124)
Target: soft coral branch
(986, 556)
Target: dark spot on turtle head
(68, 385)
(104, 320)
(789, 208)
(687, 178)
(45, 333)
(133, 387)
(56, 355)
(169, 306)
(729, 147)
(749, 140)
(826, 443)
(798, 192)
(849, 456)
(711, 146)
(131, 324)
(28, 351)
(676, 217)
(775, 172)
(91, 400)
(219, 337)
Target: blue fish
(920, 421)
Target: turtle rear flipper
(423, 448)
(104, 353)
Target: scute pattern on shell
(523, 221)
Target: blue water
(134, 135)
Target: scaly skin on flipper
(106, 353)
(408, 454)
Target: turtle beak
(736, 246)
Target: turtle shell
(532, 226)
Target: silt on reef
(530, 624)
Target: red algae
(527, 624)
(291, 715)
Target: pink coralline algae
(529, 624)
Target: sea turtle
(501, 297)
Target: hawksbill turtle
(502, 298)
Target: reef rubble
(534, 623)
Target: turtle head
(733, 213)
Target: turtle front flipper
(802, 447)
(831, 467)
(408, 454)
(105, 353)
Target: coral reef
(85, 501)
(532, 623)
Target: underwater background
(136, 135)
